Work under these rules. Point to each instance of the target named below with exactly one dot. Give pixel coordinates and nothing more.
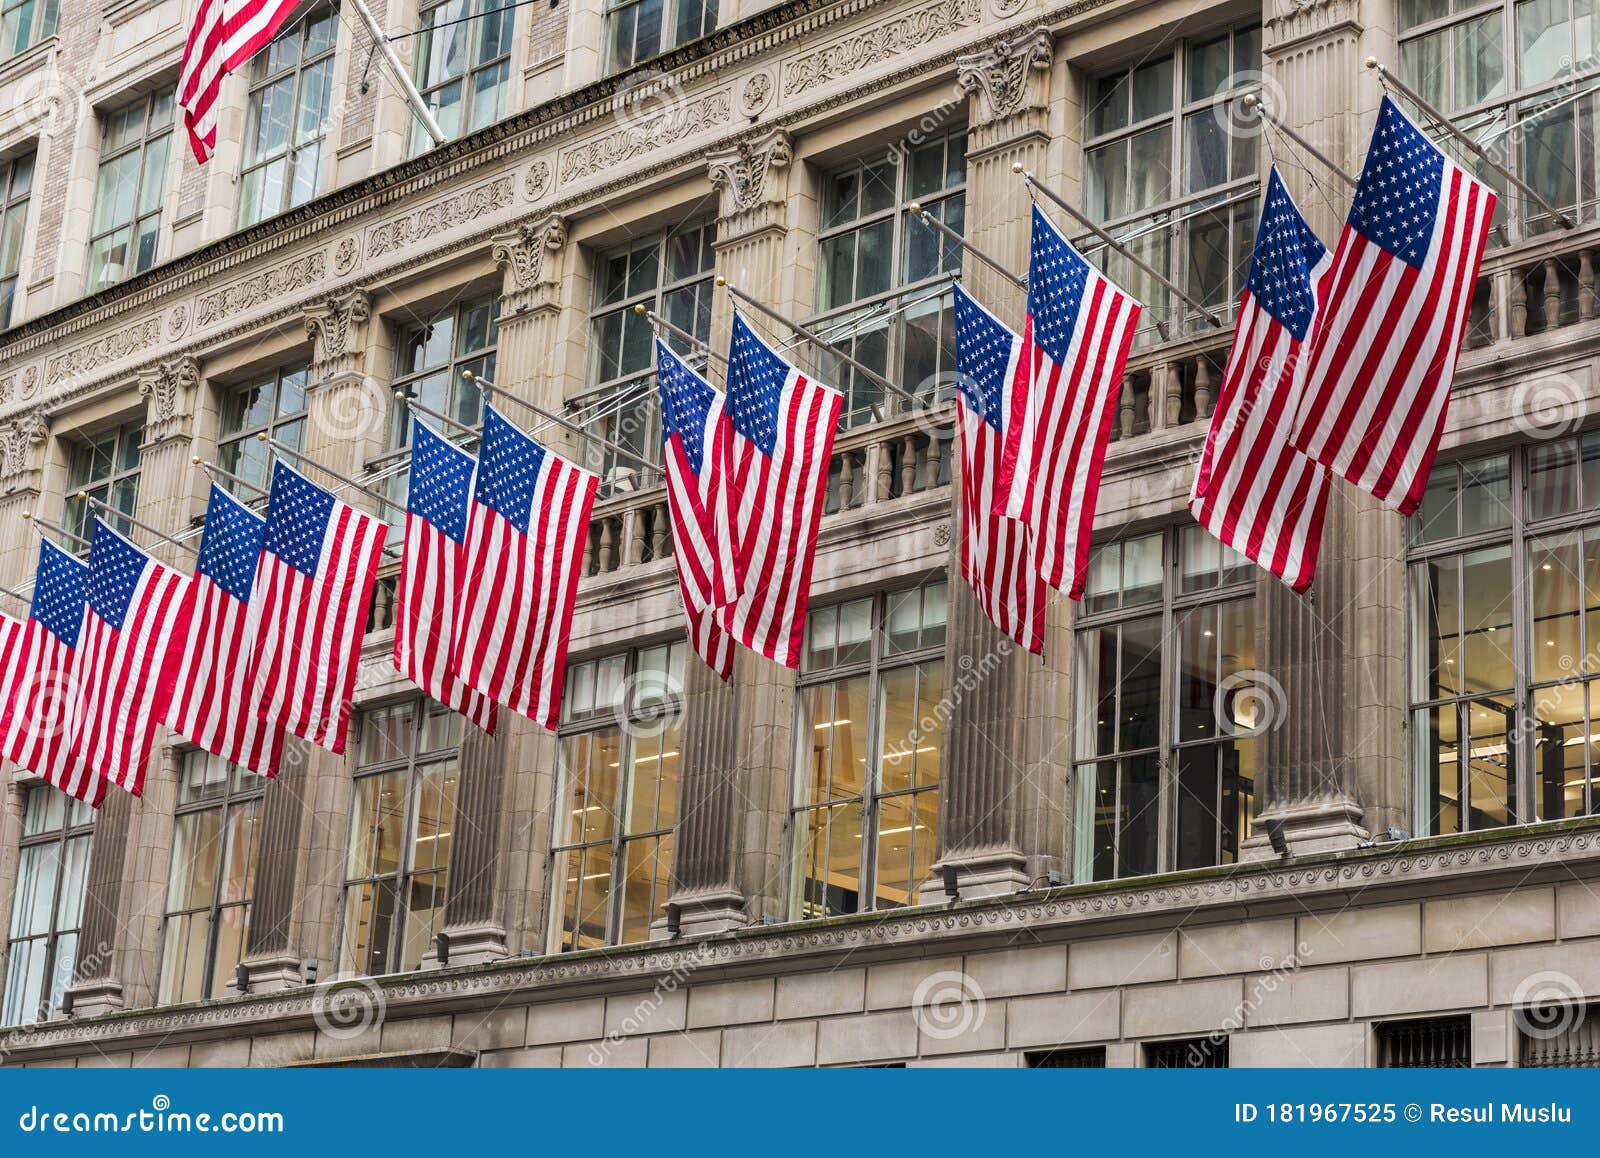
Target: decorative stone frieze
(62, 369)
(261, 288)
(441, 216)
(169, 386)
(643, 131)
(884, 41)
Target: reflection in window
(106, 466)
(618, 798)
(215, 839)
(16, 186)
(1505, 637)
(24, 23)
(402, 821)
(869, 739)
(291, 96)
(47, 908)
(130, 189)
(641, 29)
(273, 404)
(463, 66)
(1165, 705)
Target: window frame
(166, 133)
(287, 427)
(262, 80)
(14, 205)
(79, 513)
(42, 24)
(471, 11)
(671, 16)
(46, 1005)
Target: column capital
(524, 253)
(335, 324)
(169, 386)
(1011, 78)
(752, 180)
(20, 439)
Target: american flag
(698, 453)
(1254, 491)
(431, 572)
(309, 608)
(211, 702)
(783, 426)
(126, 657)
(40, 683)
(1384, 350)
(224, 35)
(526, 532)
(1074, 347)
(996, 552)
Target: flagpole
(419, 107)
(85, 496)
(212, 468)
(932, 222)
(1387, 78)
(1254, 102)
(62, 531)
(17, 595)
(329, 471)
(456, 423)
(657, 320)
(812, 337)
(1083, 219)
(491, 390)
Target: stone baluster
(1202, 388)
(1587, 302)
(1171, 392)
(1125, 407)
(660, 527)
(880, 469)
(608, 562)
(908, 464)
(847, 480)
(634, 533)
(1552, 293)
(1519, 305)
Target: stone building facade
(923, 848)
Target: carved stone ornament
(756, 94)
(536, 181)
(334, 326)
(744, 173)
(1001, 75)
(346, 255)
(17, 440)
(522, 251)
(882, 42)
(168, 385)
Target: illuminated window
(47, 909)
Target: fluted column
(1003, 801)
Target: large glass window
(1170, 168)
(214, 849)
(882, 292)
(618, 797)
(401, 827)
(463, 66)
(106, 466)
(1166, 703)
(47, 910)
(1505, 638)
(1522, 77)
(273, 404)
(130, 189)
(16, 184)
(291, 95)
(23, 23)
(641, 29)
(672, 274)
(869, 744)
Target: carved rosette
(336, 327)
(527, 255)
(170, 388)
(20, 439)
(1009, 78)
(752, 178)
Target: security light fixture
(952, 882)
(441, 947)
(241, 977)
(1280, 843)
(674, 920)
(308, 970)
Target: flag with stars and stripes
(783, 424)
(1384, 351)
(211, 703)
(126, 658)
(997, 558)
(308, 611)
(1079, 329)
(697, 453)
(40, 684)
(1254, 491)
(431, 571)
(526, 532)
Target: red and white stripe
(703, 538)
(425, 618)
(224, 34)
(37, 695)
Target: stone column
(22, 446)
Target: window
(1170, 172)
(107, 467)
(291, 91)
(214, 853)
(463, 66)
(23, 23)
(1090, 1057)
(1429, 1043)
(1190, 1053)
(130, 189)
(1563, 1034)
(1505, 638)
(882, 278)
(16, 183)
(869, 739)
(47, 911)
(1165, 705)
(672, 275)
(429, 365)
(274, 404)
(401, 821)
(618, 797)
(1505, 73)
(640, 29)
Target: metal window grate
(1188, 1053)
(1558, 1036)
(1430, 1043)
(1086, 1058)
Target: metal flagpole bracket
(17, 595)
(916, 210)
(380, 39)
(817, 340)
(1253, 102)
(1084, 220)
(439, 415)
(661, 323)
(1389, 79)
(29, 516)
(564, 423)
(212, 468)
(291, 452)
(85, 496)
